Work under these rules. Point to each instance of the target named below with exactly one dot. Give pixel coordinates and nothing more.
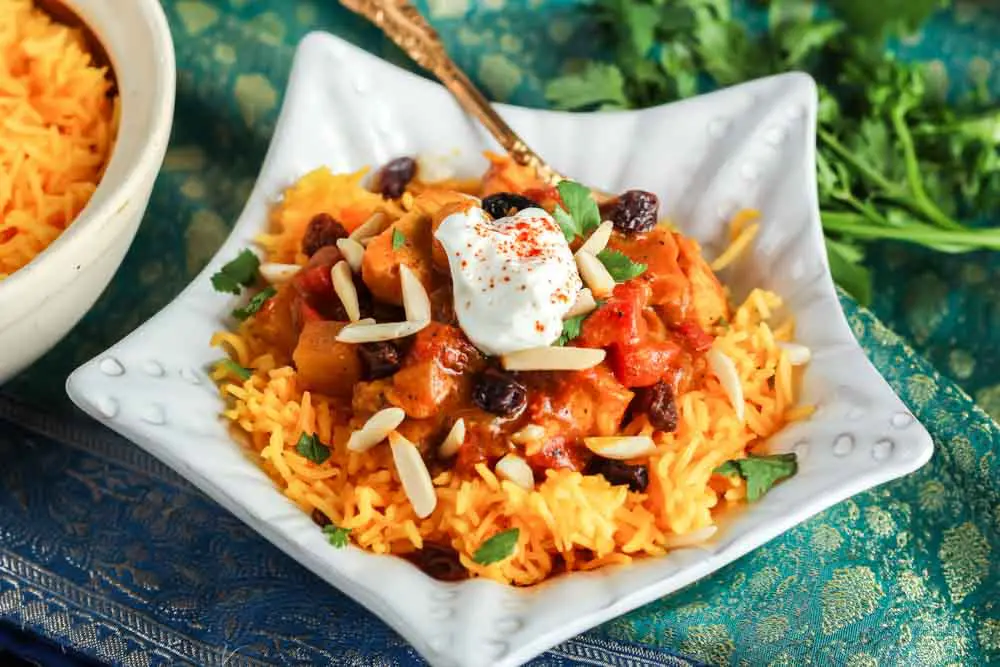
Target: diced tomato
(693, 336)
(315, 281)
(619, 321)
(643, 364)
(547, 196)
(307, 314)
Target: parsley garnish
(571, 329)
(760, 472)
(338, 537)
(254, 304)
(236, 369)
(310, 447)
(580, 215)
(398, 239)
(620, 266)
(497, 548)
(239, 273)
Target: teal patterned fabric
(906, 574)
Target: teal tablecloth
(104, 551)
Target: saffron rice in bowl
(86, 100)
(495, 378)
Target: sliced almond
(373, 226)
(343, 285)
(277, 274)
(454, 439)
(598, 240)
(416, 303)
(365, 320)
(729, 378)
(621, 447)
(553, 359)
(370, 333)
(529, 433)
(584, 304)
(798, 355)
(689, 539)
(413, 473)
(515, 469)
(352, 251)
(594, 274)
(376, 429)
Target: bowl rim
(111, 196)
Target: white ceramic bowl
(752, 145)
(41, 302)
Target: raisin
(636, 211)
(617, 473)
(322, 231)
(438, 561)
(659, 405)
(320, 519)
(395, 176)
(499, 393)
(380, 359)
(502, 204)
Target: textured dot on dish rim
(478, 623)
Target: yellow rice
(583, 519)
(57, 127)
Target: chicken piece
(324, 364)
(505, 175)
(380, 267)
(709, 301)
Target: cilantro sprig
(235, 369)
(255, 304)
(895, 160)
(398, 239)
(311, 448)
(760, 472)
(620, 266)
(236, 274)
(337, 537)
(579, 214)
(498, 548)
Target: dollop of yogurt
(513, 279)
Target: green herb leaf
(336, 536)
(255, 303)
(571, 329)
(597, 85)
(311, 448)
(620, 266)
(398, 239)
(497, 548)
(567, 224)
(236, 369)
(847, 271)
(580, 206)
(760, 472)
(236, 274)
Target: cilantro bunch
(895, 160)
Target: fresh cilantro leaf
(848, 272)
(236, 369)
(620, 266)
(596, 85)
(338, 537)
(255, 303)
(567, 224)
(760, 472)
(398, 239)
(497, 548)
(571, 329)
(580, 205)
(236, 274)
(885, 16)
(311, 448)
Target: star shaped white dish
(748, 146)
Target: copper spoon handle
(405, 26)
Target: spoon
(401, 22)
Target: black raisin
(636, 211)
(659, 404)
(380, 359)
(503, 204)
(499, 393)
(320, 519)
(395, 176)
(438, 561)
(322, 231)
(617, 473)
